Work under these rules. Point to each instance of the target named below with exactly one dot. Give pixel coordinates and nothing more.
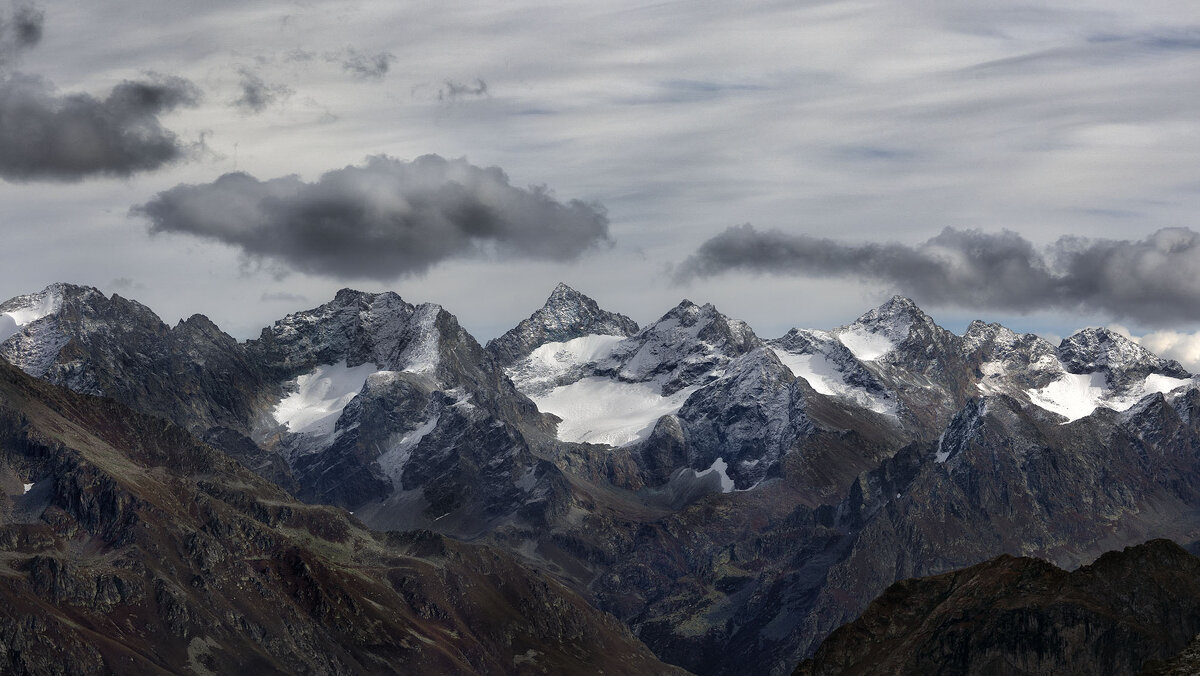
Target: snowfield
(1077, 395)
(824, 377)
(539, 371)
(599, 410)
(320, 396)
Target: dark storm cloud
(20, 30)
(257, 95)
(1154, 280)
(45, 135)
(365, 66)
(381, 220)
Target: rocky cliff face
(130, 547)
(1026, 616)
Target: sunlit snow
(1077, 395)
(546, 363)
(13, 320)
(28, 487)
(824, 377)
(604, 411)
(320, 397)
(865, 345)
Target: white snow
(1076, 395)
(577, 351)
(866, 345)
(8, 326)
(994, 377)
(392, 460)
(824, 377)
(548, 362)
(421, 354)
(720, 467)
(28, 487)
(319, 397)
(1156, 382)
(603, 411)
(1073, 396)
(40, 305)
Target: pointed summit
(567, 314)
(688, 343)
(879, 331)
(898, 310)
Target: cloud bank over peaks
(382, 220)
(48, 136)
(1155, 281)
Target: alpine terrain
(583, 494)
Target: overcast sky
(1036, 164)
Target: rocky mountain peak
(689, 342)
(355, 326)
(897, 322)
(1102, 349)
(566, 315)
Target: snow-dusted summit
(567, 315)
(612, 390)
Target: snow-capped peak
(881, 330)
(566, 315)
(689, 344)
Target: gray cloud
(366, 66)
(283, 297)
(48, 136)
(1155, 280)
(257, 95)
(453, 91)
(20, 31)
(381, 220)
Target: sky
(794, 163)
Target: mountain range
(730, 499)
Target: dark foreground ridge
(1025, 616)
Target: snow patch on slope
(421, 355)
(603, 411)
(720, 467)
(543, 367)
(866, 345)
(393, 460)
(1077, 395)
(824, 377)
(320, 396)
(35, 307)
